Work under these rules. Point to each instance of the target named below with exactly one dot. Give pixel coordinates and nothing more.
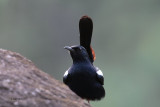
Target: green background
(126, 39)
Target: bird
(83, 77)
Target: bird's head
(78, 53)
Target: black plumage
(82, 77)
(85, 29)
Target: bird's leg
(88, 101)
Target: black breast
(82, 79)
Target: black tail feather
(86, 28)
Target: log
(22, 84)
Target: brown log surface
(22, 84)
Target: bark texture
(22, 84)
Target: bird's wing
(100, 76)
(65, 76)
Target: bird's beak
(68, 48)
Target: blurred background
(126, 39)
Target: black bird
(82, 77)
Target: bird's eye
(77, 49)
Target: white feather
(66, 73)
(99, 72)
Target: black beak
(68, 48)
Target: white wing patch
(66, 73)
(99, 72)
